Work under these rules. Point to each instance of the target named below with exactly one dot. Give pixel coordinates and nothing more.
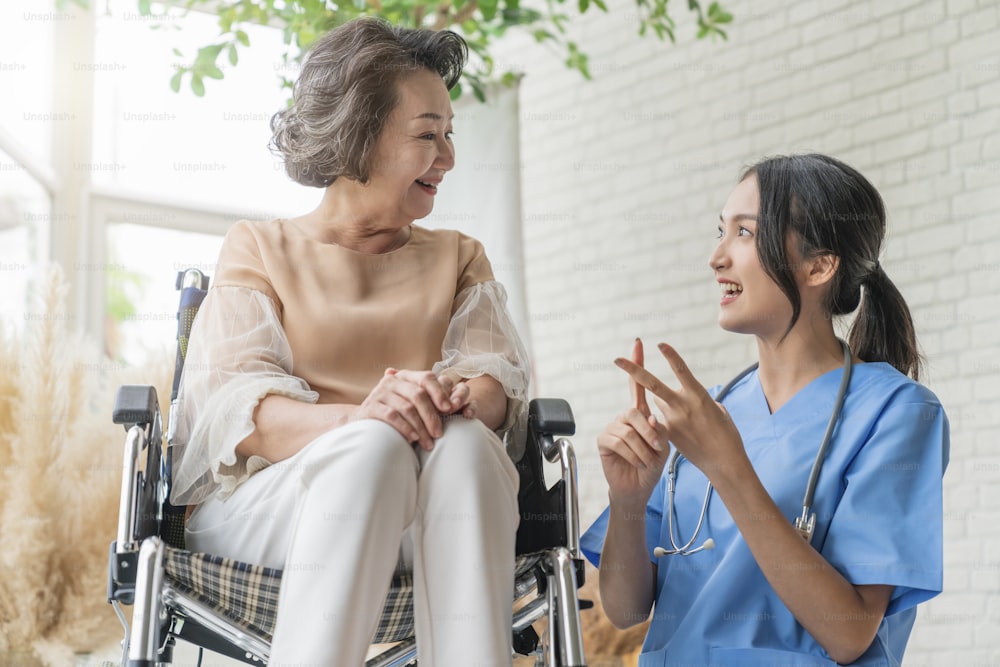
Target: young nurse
(706, 525)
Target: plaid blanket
(247, 594)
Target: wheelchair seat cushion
(247, 594)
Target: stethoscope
(806, 523)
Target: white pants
(335, 517)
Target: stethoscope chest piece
(806, 524)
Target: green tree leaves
(481, 22)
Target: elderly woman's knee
(368, 450)
(471, 449)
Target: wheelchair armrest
(548, 515)
(552, 416)
(135, 404)
(142, 490)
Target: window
(199, 164)
(25, 212)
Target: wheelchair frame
(549, 566)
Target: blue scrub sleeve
(592, 541)
(887, 528)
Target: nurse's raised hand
(633, 447)
(699, 427)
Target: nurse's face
(750, 301)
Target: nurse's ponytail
(883, 328)
(833, 209)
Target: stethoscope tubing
(845, 381)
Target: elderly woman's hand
(461, 399)
(413, 402)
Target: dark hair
(346, 90)
(833, 209)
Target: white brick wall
(624, 176)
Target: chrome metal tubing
(552, 609)
(401, 654)
(144, 642)
(562, 449)
(530, 613)
(526, 575)
(567, 459)
(192, 278)
(548, 447)
(172, 423)
(564, 614)
(124, 621)
(135, 443)
(208, 618)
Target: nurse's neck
(789, 364)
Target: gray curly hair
(346, 91)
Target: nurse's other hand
(630, 445)
(412, 402)
(634, 449)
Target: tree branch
(466, 13)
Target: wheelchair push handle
(193, 286)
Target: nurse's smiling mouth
(730, 291)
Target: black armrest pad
(552, 416)
(135, 404)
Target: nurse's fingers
(637, 444)
(647, 380)
(662, 438)
(640, 422)
(611, 443)
(679, 367)
(638, 391)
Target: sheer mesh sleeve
(481, 340)
(238, 354)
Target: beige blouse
(317, 322)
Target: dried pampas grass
(60, 477)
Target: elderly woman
(349, 371)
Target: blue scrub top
(878, 511)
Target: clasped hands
(415, 404)
(635, 446)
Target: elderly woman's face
(414, 150)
